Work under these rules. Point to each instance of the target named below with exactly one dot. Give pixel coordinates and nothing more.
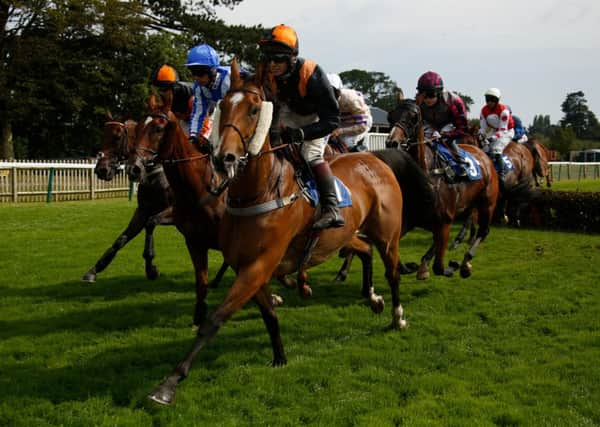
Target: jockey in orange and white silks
(355, 114)
(496, 123)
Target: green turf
(518, 343)
(574, 185)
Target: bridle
(122, 144)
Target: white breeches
(312, 151)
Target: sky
(534, 51)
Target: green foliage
(578, 116)
(562, 140)
(64, 64)
(378, 89)
(467, 100)
(516, 344)
(541, 126)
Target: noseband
(123, 141)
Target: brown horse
(451, 199)
(515, 188)
(541, 168)
(268, 221)
(154, 197)
(189, 173)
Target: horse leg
(423, 273)
(363, 250)
(462, 233)
(303, 289)
(388, 250)
(485, 215)
(151, 271)
(441, 241)
(136, 224)
(199, 257)
(264, 299)
(246, 286)
(219, 276)
(345, 269)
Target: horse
(154, 197)
(540, 156)
(515, 188)
(268, 222)
(451, 199)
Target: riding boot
(330, 214)
(462, 164)
(500, 167)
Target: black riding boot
(330, 213)
(500, 167)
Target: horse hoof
(504, 220)
(398, 325)
(152, 273)
(163, 394)
(280, 361)
(89, 277)
(423, 275)
(340, 278)
(306, 292)
(377, 304)
(276, 300)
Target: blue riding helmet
(202, 54)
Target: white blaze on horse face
(236, 99)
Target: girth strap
(261, 208)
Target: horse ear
(236, 80)
(109, 116)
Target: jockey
(211, 83)
(520, 131)
(496, 128)
(443, 112)
(308, 111)
(166, 78)
(355, 115)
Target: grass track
(516, 344)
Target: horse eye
(254, 111)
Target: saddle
(306, 181)
(450, 167)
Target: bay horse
(515, 188)
(450, 199)
(268, 222)
(541, 168)
(154, 198)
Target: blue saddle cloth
(473, 169)
(508, 164)
(309, 185)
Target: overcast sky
(534, 51)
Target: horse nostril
(229, 158)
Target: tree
(467, 100)
(578, 116)
(562, 140)
(378, 89)
(65, 63)
(541, 126)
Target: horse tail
(416, 190)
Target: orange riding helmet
(165, 76)
(281, 38)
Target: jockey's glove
(292, 135)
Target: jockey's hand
(436, 135)
(480, 137)
(292, 135)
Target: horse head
(241, 124)
(117, 138)
(150, 136)
(406, 124)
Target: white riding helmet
(335, 81)
(495, 92)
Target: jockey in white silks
(355, 115)
(496, 128)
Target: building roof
(379, 116)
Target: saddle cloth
(473, 168)
(309, 189)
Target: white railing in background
(52, 180)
